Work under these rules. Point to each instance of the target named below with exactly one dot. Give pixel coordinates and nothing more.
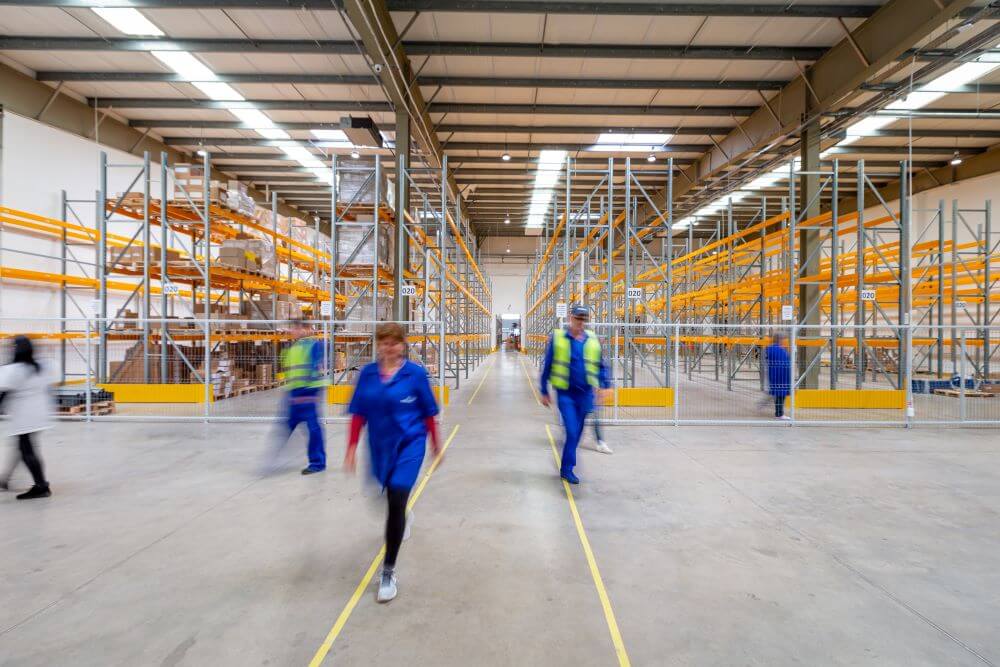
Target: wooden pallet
(969, 393)
(99, 408)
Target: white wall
(36, 164)
(509, 284)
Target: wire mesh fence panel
(723, 375)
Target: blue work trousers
(303, 410)
(574, 406)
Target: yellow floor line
(609, 614)
(331, 636)
(530, 383)
(482, 381)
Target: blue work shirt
(779, 370)
(316, 357)
(577, 370)
(395, 412)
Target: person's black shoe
(311, 470)
(36, 492)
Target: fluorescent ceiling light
(218, 91)
(550, 164)
(252, 117)
(127, 20)
(185, 64)
(627, 143)
(331, 135)
(323, 174)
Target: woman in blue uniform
(393, 397)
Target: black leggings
(395, 524)
(31, 459)
(779, 406)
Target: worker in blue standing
(575, 367)
(302, 373)
(779, 374)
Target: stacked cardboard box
(285, 307)
(189, 182)
(133, 257)
(238, 200)
(349, 238)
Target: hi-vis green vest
(297, 367)
(561, 353)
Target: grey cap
(580, 311)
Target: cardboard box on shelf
(356, 245)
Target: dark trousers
(30, 459)
(395, 524)
(779, 405)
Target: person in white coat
(27, 402)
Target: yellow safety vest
(561, 352)
(297, 367)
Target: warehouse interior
(185, 186)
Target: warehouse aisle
(494, 570)
(714, 545)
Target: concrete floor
(717, 546)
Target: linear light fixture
(186, 65)
(129, 21)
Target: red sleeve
(357, 423)
(432, 431)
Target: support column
(809, 256)
(400, 304)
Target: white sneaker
(603, 448)
(387, 587)
(406, 531)
(785, 418)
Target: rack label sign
(787, 313)
(561, 309)
(960, 304)
(867, 295)
(634, 293)
(171, 289)
(408, 290)
(326, 308)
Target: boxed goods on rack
(363, 314)
(133, 258)
(349, 238)
(238, 200)
(189, 183)
(356, 183)
(284, 307)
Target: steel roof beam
(755, 10)
(346, 47)
(452, 146)
(444, 107)
(833, 80)
(458, 81)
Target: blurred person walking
(393, 397)
(302, 372)
(575, 367)
(779, 374)
(27, 401)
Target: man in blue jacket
(302, 373)
(779, 374)
(575, 367)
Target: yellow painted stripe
(602, 593)
(338, 626)
(482, 381)
(530, 383)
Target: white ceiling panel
(632, 30)
(87, 61)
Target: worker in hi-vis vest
(575, 368)
(302, 373)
